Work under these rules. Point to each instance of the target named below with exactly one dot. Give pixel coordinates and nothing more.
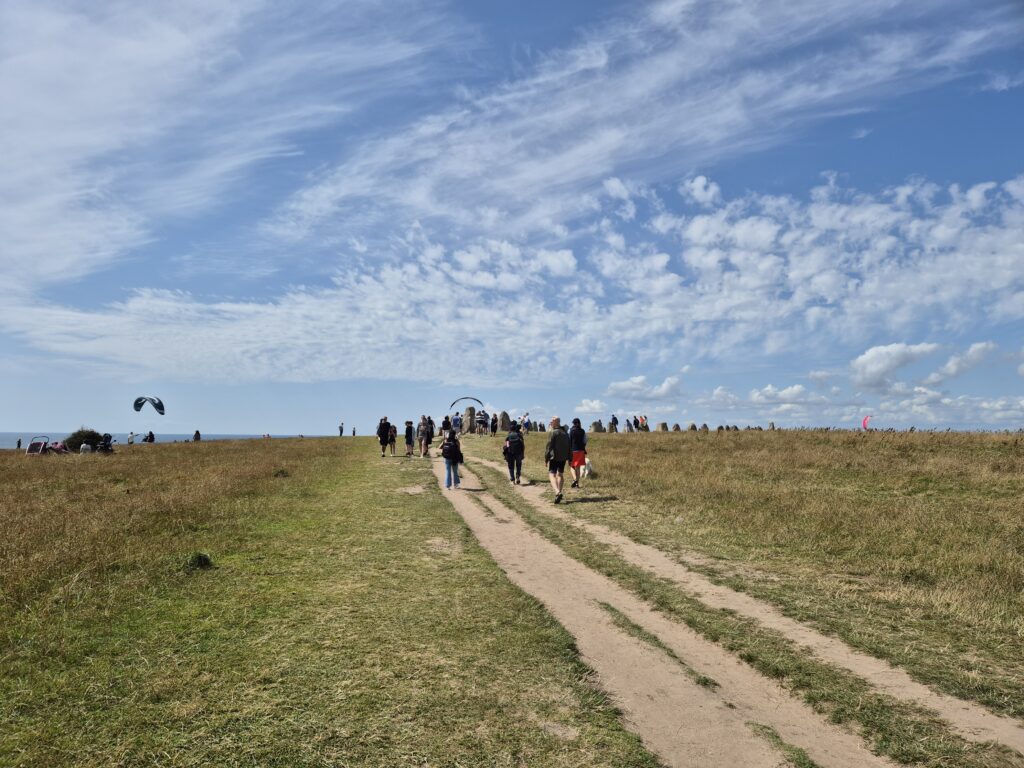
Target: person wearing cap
(556, 453)
(578, 448)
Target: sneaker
(457, 487)
(558, 498)
(575, 484)
(518, 482)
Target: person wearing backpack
(578, 447)
(451, 451)
(514, 451)
(556, 454)
(410, 437)
(384, 434)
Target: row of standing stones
(597, 426)
(505, 424)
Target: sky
(278, 217)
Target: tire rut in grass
(971, 721)
(685, 723)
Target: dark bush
(82, 435)
(198, 561)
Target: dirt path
(970, 720)
(684, 723)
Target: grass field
(343, 623)
(909, 546)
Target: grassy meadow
(907, 545)
(344, 621)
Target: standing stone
(720, 429)
(676, 428)
(469, 420)
(540, 426)
(692, 427)
(704, 429)
(504, 422)
(662, 427)
(612, 429)
(597, 426)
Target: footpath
(655, 675)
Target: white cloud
(701, 190)
(560, 263)
(958, 364)
(796, 393)
(591, 407)
(636, 389)
(1003, 81)
(861, 133)
(872, 369)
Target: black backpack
(449, 450)
(515, 444)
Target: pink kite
(864, 424)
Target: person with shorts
(393, 438)
(578, 448)
(384, 434)
(556, 453)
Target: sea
(10, 439)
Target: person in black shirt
(384, 434)
(578, 447)
(514, 450)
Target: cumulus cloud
(701, 190)
(590, 407)
(958, 364)
(872, 369)
(636, 389)
(796, 393)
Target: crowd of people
(563, 447)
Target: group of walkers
(637, 424)
(564, 446)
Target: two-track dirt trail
(970, 720)
(686, 724)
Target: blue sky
(790, 211)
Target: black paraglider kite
(156, 402)
(464, 398)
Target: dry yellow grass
(909, 545)
(66, 518)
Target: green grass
(902, 731)
(907, 546)
(342, 624)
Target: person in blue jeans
(452, 453)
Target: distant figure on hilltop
(482, 422)
(19, 444)
(341, 429)
(196, 437)
(353, 431)
(383, 434)
(457, 422)
(494, 424)
(556, 453)
(423, 436)
(527, 423)
(150, 437)
(392, 438)
(614, 422)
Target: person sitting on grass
(451, 451)
(556, 454)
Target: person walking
(446, 425)
(556, 454)
(451, 451)
(392, 437)
(515, 451)
(494, 425)
(422, 432)
(457, 422)
(431, 430)
(383, 434)
(614, 421)
(19, 445)
(526, 423)
(636, 423)
(341, 429)
(482, 422)
(410, 438)
(578, 449)
(196, 437)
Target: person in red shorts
(578, 446)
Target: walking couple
(565, 447)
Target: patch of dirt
(684, 723)
(444, 546)
(412, 490)
(970, 720)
